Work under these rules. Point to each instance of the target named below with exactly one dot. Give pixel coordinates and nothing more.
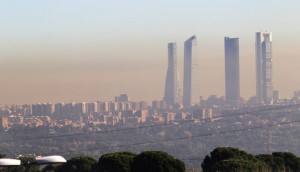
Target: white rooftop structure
(54, 159)
(9, 162)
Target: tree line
(221, 159)
(228, 159)
(148, 161)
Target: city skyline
(73, 50)
(264, 50)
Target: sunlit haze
(74, 50)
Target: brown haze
(92, 69)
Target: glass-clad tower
(190, 76)
(172, 89)
(232, 71)
(264, 82)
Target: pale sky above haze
(85, 50)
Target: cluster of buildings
(190, 93)
(122, 111)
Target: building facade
(172, 88)
(232, 70)
(190, 73)
(264, 82)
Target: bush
(150, 161)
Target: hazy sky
(84, 50)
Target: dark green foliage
(275, 164)
(156, 161)
(2, 155)
(236, 165)
(115, 162)
(207, 164)
(291, 161)
(231, 159)
(224, 153)
(78, 164)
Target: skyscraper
(264, 83)
(172, 89)
(232, 71)
(190, 76)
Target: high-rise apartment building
(42, 109)
(190, 76)
(172, 89)
(232, 71)
(264, 83)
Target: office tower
(232, 71)
(190, 76)
(264, 83)
(122, 98)
(172, 90)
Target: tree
(236, 165)
(221, 154)
(291, 161)
(157, 161)
(78, 164)
(276, 164)
(115, 162)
